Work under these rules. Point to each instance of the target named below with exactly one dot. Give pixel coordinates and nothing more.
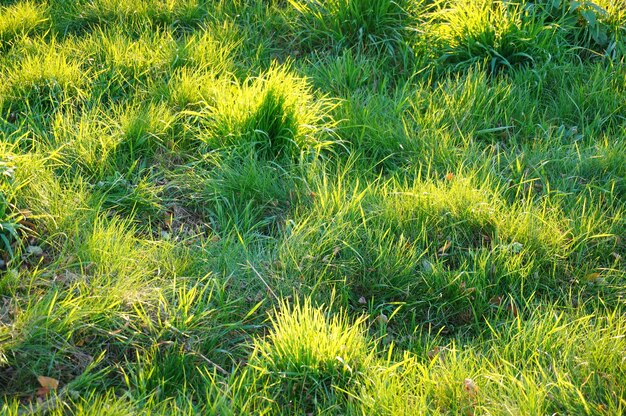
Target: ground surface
(290, 207)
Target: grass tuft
(348, 23)
(309, 360)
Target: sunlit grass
(305, 207)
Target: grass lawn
(340, 207)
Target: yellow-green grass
(302, 207)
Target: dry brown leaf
(48, 382)
(42, 392)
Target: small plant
(310, 360)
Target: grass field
(340, 207)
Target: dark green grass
(302, 207)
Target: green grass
(312, 207)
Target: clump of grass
(493, 33)
(125, 138)
(277, 115)
(42, 82)
(21, 19)
(135, 198)
(394, 242)
(350, 73)
(309, 360)
(348, 23)
(502, 35)
(191, 89)
(126, 59)
(146, 128)
(592, 27)
(212, 50)
(186, 327)
(70, 16)
(238, 191)
(87, 140)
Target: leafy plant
(584, 23)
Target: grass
(305, 207)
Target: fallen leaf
(48, 382)
(42, 392)
(169, 219)
(467, 290)
(449, 176)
